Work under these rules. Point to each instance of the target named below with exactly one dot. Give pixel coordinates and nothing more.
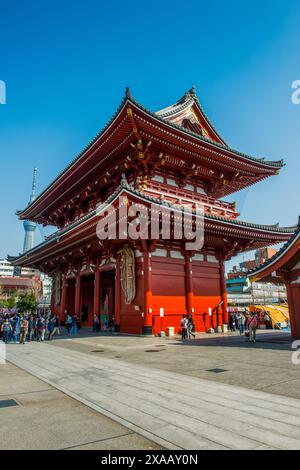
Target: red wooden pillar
(62, 308)
(290, 298)
(78, 296)
(97, 288)
(118, 293)
(147, 326)
(189, 291)
(295, 291)
(223, 292)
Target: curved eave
(269, 167)
(258, 162)
(289, 249)
(259, 232)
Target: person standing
(241, 323)
(73, 330)
(184, 325)
(68, 323)
(232, 322)
(43, 332)
(6, 329)
(11, 320)
(23, 330)
(96, 324)
(31, 328)
(17, 329)
(50, 326)
(40, 326)
(252, 326)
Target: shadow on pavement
(272, 340)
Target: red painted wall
(169, 292)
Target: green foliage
(27, 302)
(9, 303)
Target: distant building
(11, 286)
(6, 268)
(240, 292)
(16, 280)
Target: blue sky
(66, 65)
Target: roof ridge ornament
(124, 182)
(192, 91)
(127, 92)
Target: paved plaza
(215, 392)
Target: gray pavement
(166, 396)
(46, 418)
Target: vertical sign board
(161, 314)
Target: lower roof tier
(228, 236)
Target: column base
(147, 330)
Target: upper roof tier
(188, 113)
(182, 131)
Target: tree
(9, 303)
(27, 302)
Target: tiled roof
(278, 254)
(125, 186)
(128, 98)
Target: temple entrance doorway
(107, 299)
(87, 299)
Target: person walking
(191, 328)
(23, 330)
(252, 326)
(184, 325)
(56, 327)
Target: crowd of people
(17, 328)
(245, 323)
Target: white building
(6, 268)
